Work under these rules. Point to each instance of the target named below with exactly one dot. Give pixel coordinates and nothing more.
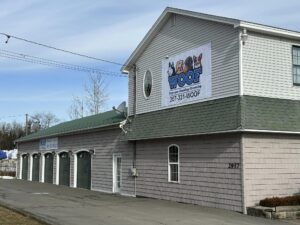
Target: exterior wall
(267, 67)
(131, 92)
(271, 166)
(204, 175)
(105, 143)
(189, 33)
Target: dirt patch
(9, 217)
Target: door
(64, 169)
(25, 167)
(117, 173)
(35, 167)
(84, 170)
(49, 168)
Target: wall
(187, 34)
(267, 67)
(204, 175)
(105, 143)
(271, 166)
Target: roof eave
(113, 125)
(235, 22)
(159, 23)
(269, 30)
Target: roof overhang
(230, 21)
(269, 30)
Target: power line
(53, 63)
(11, 116)
(59, 49)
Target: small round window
(147, 84)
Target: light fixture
(92, 151)
(244, 36)
(8, 37)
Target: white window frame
(173, 163)
(144, 84)
(115, 156)
(294, 65)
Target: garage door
(35, 167)
(24, 167)
(49, 168)
(64, 169)
(84, 170)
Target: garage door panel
(64, 169)
(49, 168)
(35, 167)
(84, 170)
(25, 167)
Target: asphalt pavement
(63, 205)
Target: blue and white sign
(49, 144)
(187, 77)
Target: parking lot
(62, 205)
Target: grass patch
(9, 217)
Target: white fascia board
(269, 30)
(269, 131)
(145, 40)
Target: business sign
(187, 77)
(49, 144)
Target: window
(147, 84)
(296, 65)
(173, 152)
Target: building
(213, 115)
(83, 153)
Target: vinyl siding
(204, 175)
(105, 143)
(271, 166)
(187, 34)
(267, 67)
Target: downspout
(134, 114)
(242, 39)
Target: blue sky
(104, 29)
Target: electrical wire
(53, 63)
(59, 49)
(11, 116)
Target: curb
(26, 213)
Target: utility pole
(26, 124)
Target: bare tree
(43, 120)
(94, 99)
(76, 108)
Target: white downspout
(242, 40)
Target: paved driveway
(63, 205)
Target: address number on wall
(233, 165)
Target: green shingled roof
(86, 123)
(227, 114)
(204, 117)
(258, 113)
